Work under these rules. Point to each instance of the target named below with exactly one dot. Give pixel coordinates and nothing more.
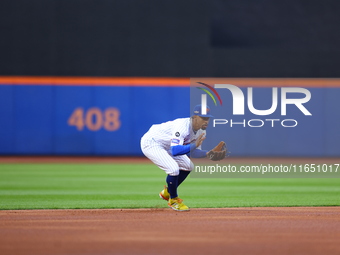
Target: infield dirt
(290, 230)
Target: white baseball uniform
(157, 142)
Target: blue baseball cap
(197, 111)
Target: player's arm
(182, 149)
(177, 146)
(197, 153)
(179, 149)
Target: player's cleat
(177, 204)
(164, 194)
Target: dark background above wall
(175, 39)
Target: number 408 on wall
(95, 119)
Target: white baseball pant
(160, 156)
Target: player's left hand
(218, 153)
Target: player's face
(200, 122)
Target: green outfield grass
(59, 186)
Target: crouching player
(167, 145)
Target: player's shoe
(177, 204)
(164, 194)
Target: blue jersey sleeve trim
(186, 149)
(180, 149)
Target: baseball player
(168, 144)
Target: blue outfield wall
(110, 120)
(65, 120)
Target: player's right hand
(200, 140)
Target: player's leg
(163, 160)
(185, 166)
(159, 156)
(182, 176)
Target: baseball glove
(218, 153)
